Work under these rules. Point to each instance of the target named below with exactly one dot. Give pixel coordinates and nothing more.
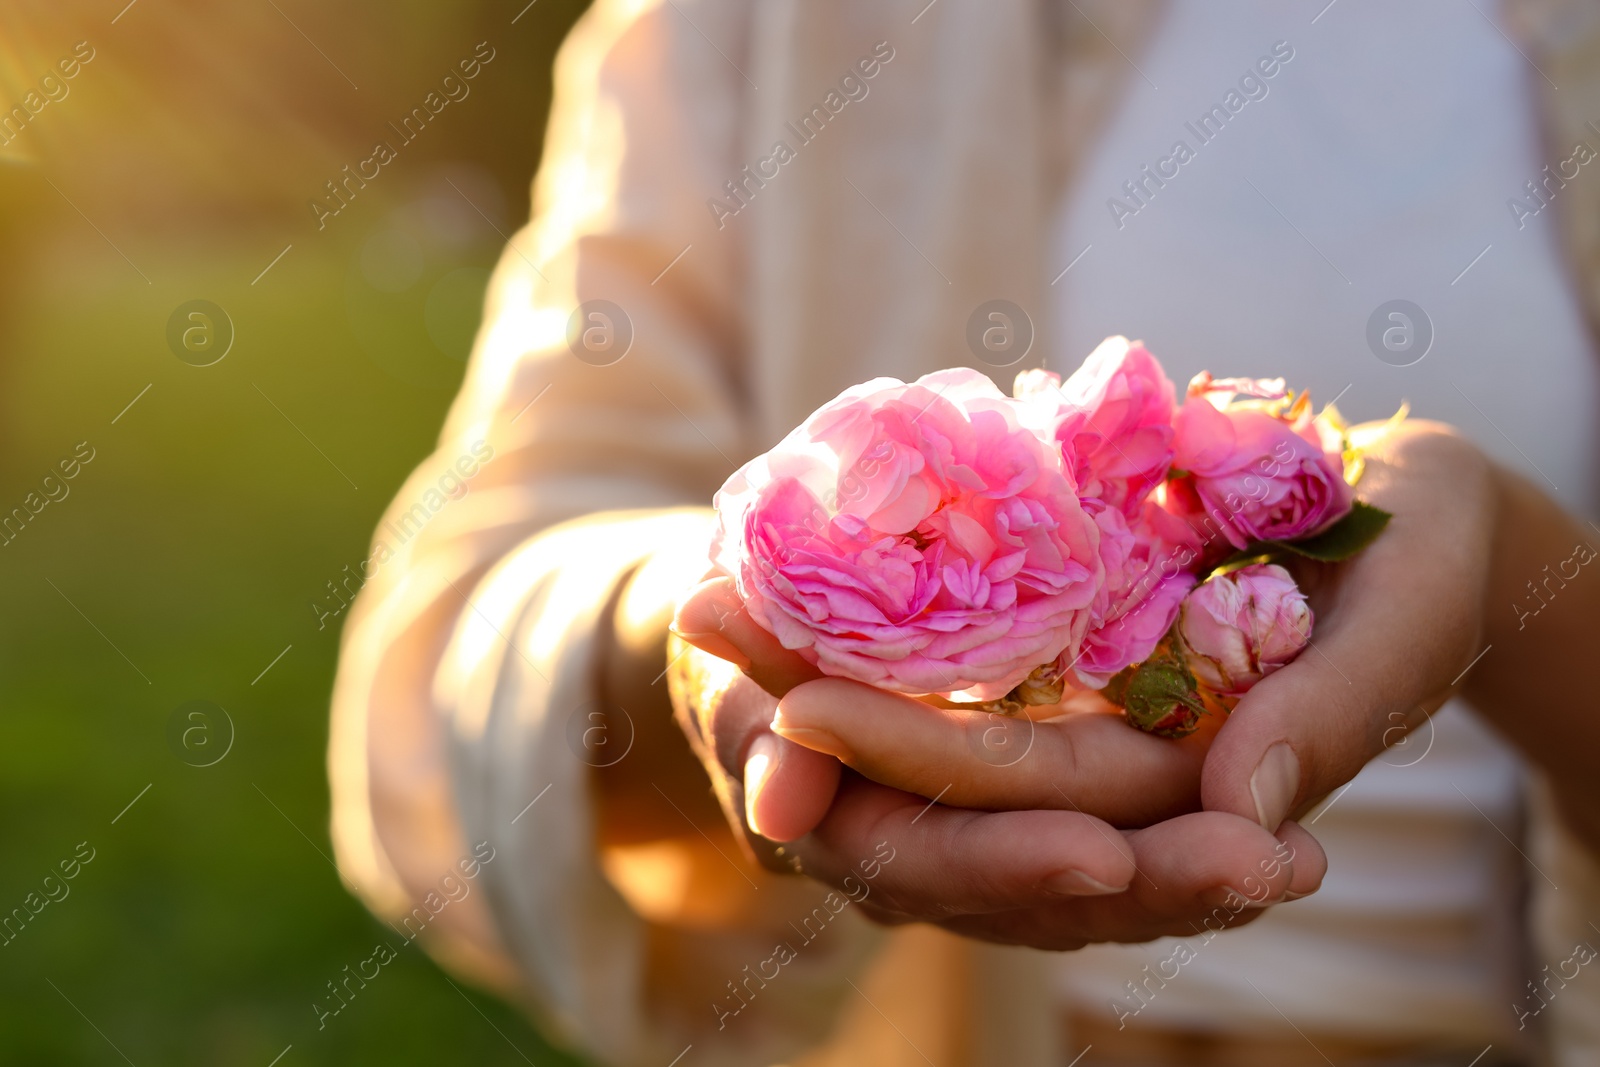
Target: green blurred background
(186, 554)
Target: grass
(179, 565)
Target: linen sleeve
(601, 409)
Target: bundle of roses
(941, 539)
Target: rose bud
(1160, 695)
(1237, 628)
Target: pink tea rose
(1260, 468)
(1113, 419)
(1147, 577)
(1237, 628)
(922, 538)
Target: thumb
(1301, 733)
(1287, 743)
(1377, 667)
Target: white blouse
(1375, 164)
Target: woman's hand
(1481, 584)
(1083, 758)
(1041, 875)
(1054, 879)
(1010, 827)
(1396, 627)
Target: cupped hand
(1396, 628)
(973, 802)
(1050, 879)
(1053, 879)
(1082, 757)
(1026, 872)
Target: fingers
(1214, 859)
(1091, 762)
(934, 861)
(713, 618)
(1198, 875)
(767, 786)
(1310, 861)
(787, 788)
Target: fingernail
(716, 644)
(1225, 897)
(1274, 784)
(1296, 896)
(816, 740)
(759, 764)
(1074, 883)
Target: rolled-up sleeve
(562, 467)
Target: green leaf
(1338, 542)
(1346, 537)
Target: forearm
(1542, 619)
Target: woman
(745, 208)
